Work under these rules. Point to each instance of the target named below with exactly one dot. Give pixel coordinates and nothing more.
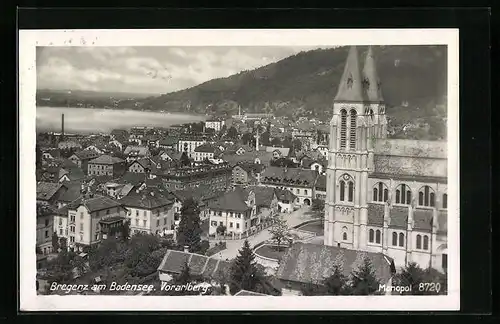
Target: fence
(251, 232)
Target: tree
(412, 275)
(276, 142)
(336, 284)
(279, 231)
(297, 144)
(265, 137)
(232, 132)
(55, 242)
(125, 230)
(318, 205)
(185, 276)
(80, 265)
(221, 229)
(189, 231)
(246, 138)
(243, 273)
(287, 142)
(363, 280)
(185, 161)
(63, 243)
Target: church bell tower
(358, 118)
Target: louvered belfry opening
(343, 129)
(352, 135)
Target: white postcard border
(29, 39)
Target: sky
(151, 70)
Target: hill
(413, 82)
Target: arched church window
(380, 192)
(343, 128)
(377, 236)
(371, 236)
(352, 135)
(351, 191)
(401, 239)
(342, 190)
(426, 242)
(394, 239)
(344, 233)
(445, 201)
(426, 197)
(403, 194)
(419, 241)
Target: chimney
(62, 127)
(186, 248)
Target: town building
(88, 220)
(305, 263)
(44, 227)
(48, 193)
(246, 173)
(204, 151)
(133, 152)
(383, 195)
(201, 266)
(320, 187)
(287, 201)
(169, 143)
(141, 166)
(106, 165)
(149, 211)
(218, 176)
(266, 201)
(188, 143)
(69, 145)
(82, 158)
(215, 124)
(236, 210)
(299, 181)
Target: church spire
(371, 82)
(350, 87)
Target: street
(295, 218)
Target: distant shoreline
(134, 110)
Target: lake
(84, 120)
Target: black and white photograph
(303, 166)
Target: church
(383, 195)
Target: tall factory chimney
(62, 127)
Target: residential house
(245, 173)
(323, 149)
(266, 201)
(118, 190)
(121, 135)
(286, 200)
(169, 143)
(214, 124)
(51, 154)
(152, 141)
(137, 134)
(149, 211)
(299, 181)
(204, 151)
(82, 158)
(134, 153)
(74, 192)
(236, 210)
(188, 143)
(88, 220)
(106, 165)
(320, 187)
(216, 175)
(201, 266)
(44, 227)
(170, 155)
(99, 149)
(67, 145)
(48, 193)
(203, 195)
(305, 263)
(318, 165)
(69, 171)
(278, 152)
(141, 166)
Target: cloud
(147, 69)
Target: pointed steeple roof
(350, 87)
(371, 82)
